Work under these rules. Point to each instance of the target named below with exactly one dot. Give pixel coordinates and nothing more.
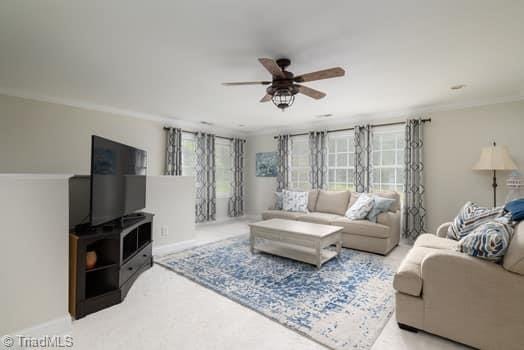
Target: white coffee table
(302, 241)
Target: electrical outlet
(164, 231)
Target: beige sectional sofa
(460, 297)
(329, 207)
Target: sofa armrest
(442, 230)
(473, 301)
(392, 220)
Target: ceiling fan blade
(247, 83)
(272, 67)
(321, 74)
(266, 98)
(317, 95)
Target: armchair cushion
(488, 241)
(469, 218)
(514, 258)
(429, 240)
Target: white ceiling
(168, 58)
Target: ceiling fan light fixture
(283, 98)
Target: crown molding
(290, 128)
(395, 115)
(166, 120)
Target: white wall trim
(174, 247)
(58, 326)
(348, 121)
(168, 121)
(221, 221)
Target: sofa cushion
(385, 194)
(380, 205)
(514, 258)
(295, 201)
(280, 214)
(278, 200)
(362, 228)
(361, 208)
(489, 241)
(429, 240)
(408, 278)
(312, 200)
(334, 202)
(318, 218)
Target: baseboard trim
(223, 220)
(174, 247)
(58, 326)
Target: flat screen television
(118, 180)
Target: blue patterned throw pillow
(380, 205)
(469, 218)
(488, 241)
(295, 201)
(361, 208)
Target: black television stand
(129, 217)
(123, 250)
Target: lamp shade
(495, 158)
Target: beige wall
(259, 190)
(40, 137)
(34, 260)
(452, 145)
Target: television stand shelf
(123, 252)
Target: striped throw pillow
(488, 241)
(469, 218)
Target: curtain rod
(195, 132)
(353, 128)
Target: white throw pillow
(295, 201)
(361, 208)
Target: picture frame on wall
(266, 164)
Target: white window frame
(398, 165)
(299, 173)
(333, 159)
(224, 171)
(188, 164)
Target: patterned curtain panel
(174, 152)
(236, 202)
(318, 159)
(283, 163)
(363, 170)
(414, 211)
(205, 177)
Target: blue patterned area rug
(344, 305)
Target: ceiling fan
(283, 87)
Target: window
(341, 161)
(299, 163)
(188, 154)
(388, 160)
(223, 167)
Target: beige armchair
(463, 298)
